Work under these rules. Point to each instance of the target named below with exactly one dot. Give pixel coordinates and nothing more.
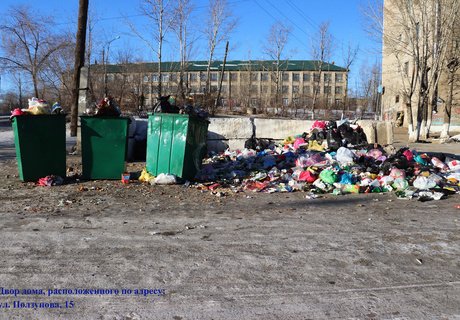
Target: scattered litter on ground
(331, 159)
(50, 180)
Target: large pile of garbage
(332, 158)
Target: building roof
(234, 65)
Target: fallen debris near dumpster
(337, 160)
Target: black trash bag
(359, 137)
(347, 134)
(334, 139)
(257, 144)
(164, 106)
(318, 135)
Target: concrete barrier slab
(280, 128)
(231, 128)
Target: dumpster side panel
(196, 147)
(40, 146)
(164, 152)
(104, 142)
(177, 165)
(153, 144)
(166, 144)
(175, 144)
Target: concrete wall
(232, 132)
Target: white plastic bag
(164, 178)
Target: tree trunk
(208, 70)
(79, 62)
(412, 132)
(34, 80)
(448, 108)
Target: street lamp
(106, 59)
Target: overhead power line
(277, 20)
(143, 14)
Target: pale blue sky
(254, 20)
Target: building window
(306, 77)
(284, 89)
(203, 76)
(295, 77)
(173, 77)
(164, 77)
(264, 76)
(254, 77)
(213, 88)
(193, 77)
(285, 102)
(224, 102)
(254, 102)
(295, 89)
(397, 99)
(338, 90)
(306, 90)
(146, 78)
(327, 89)
(213, 76)
(338, 77)
(223, 88)
(327, 77)
(264, 89)
(285, 76)
(406, 68)
(155, 78)
(225, 76)
(316, 77)
(295, 101)
(338, 102)
(254, 88)
(234, 76)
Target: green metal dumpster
(103, 146)
(40, 146)
(176, 144)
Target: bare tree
(277, 40)
(417, 36)
(349, 56)
(453, 66)
(28, 42)
(372, 12)
(220, 23)
(321, 51)
(181, 28)
(159, 13)
(56, 77)
(369, 81)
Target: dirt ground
(194, 255)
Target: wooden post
(79, 62)
(221, 79)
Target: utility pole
(79, 62)
(216, 103)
